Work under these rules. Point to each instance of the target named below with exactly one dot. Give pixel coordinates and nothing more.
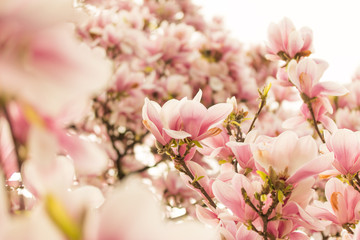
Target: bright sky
(336, 26)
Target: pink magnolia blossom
(285, 39)
(291, 157)
(345, 145)
(215, 146)
(343, 204)
(130, 208)
(305, 75)
(199, 172)
(231, 196)
(243, 154)
(349, 119)
(48, 67)
(321, 106)
(183, 119)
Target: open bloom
(345, 144)
(285, 41)
(183, 119)
(291, 157)
(305, 75)
(343, 203)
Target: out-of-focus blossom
(119, 218)
(346, 118)
(285, 42)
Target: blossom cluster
(141, 120)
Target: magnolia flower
(231, 196)
(305, 75)
(285, 42)
(345, 144)
(131, 207)
(291, 157)
(321, 107)
(343, 204)
(243, 154)
(183, 119)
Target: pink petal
(308, 66)
(243, 154)
(295, 43)
(151, 111)
(328, 88)
(177, 134)
(334, 185)
(345, 145)
(321, 67)
(244, 234)
(199, 171)
(286, 27)
(293, 76)
(209, 133)
(322, 213)
(89, 158)
(312, 168)
(170, 114)
(198, 96)
(307, 36)
(206, 216)
(239, 181)
(192, 114)
(303, 192)
(305, 150)
(154, 130)
(328, 123)
(293, 122)
(298, 236)
(215, 115)
(228, 196)
(275, 41)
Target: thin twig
(309, 105)
(262, 104)
(196, 184)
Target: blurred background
(335, 26)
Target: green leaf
(197, 179)
(266, 90)
(58, 214)
(197, 143)
(263, 197)
(281, 196)
(262, 175)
